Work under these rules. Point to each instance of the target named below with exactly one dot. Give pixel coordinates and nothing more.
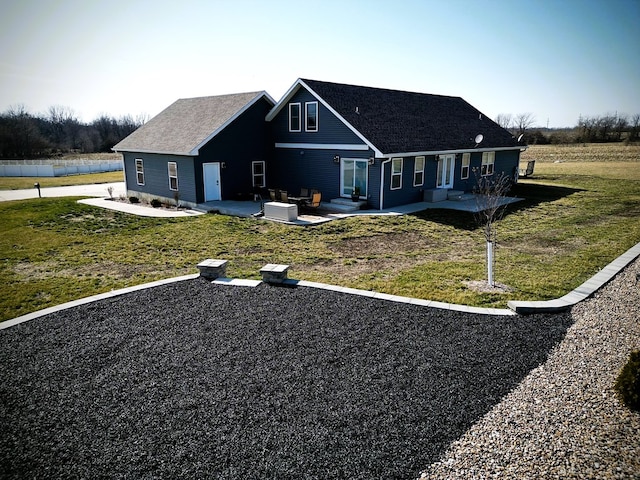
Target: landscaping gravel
(564, 420)
(198, 380)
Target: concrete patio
(470, 203)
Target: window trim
(396, 174)
(306, 117)
(254, 174)
(139, 171)
(488, 164)
(175, 165)
(465, 164)
(299, 105)
(416, 171)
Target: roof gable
(189, 123)
(399, 122)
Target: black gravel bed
(200, 380)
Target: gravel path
(564, 421)
(207, 381)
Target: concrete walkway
(137, 209)
(93, 190)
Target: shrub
(155, 203)
(628, 382)
(134, 200)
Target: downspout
(382, 164)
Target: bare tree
(64, 127)
(605, 125)
(504, 120)
(523, 121)
(634, 128)
(620, 126)
(23, 138)
(490, 205)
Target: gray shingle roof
(187, 124)
(397, 122)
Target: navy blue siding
(408, 193)
(156, 175)
(292, 169)
(505, 161)
(330, 128)
(245, 140)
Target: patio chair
(314, 203)
(284, 196)
(526, 172)
(272, 194)
(304, 192)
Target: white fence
(56, 168)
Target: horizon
(556, 60)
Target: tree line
(59, 131)
(602, 128)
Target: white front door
(446, 169)
(211, 176)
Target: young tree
(490, 191)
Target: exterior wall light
(336, 159)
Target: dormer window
(294, 117)
(311, 114)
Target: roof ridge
(385, 89)
(257, 92)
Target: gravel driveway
(199, 380)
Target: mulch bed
(193, 379)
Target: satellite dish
(479, 138)
(520, 137)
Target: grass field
(577, 216)
(20, 183)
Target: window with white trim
(418, 172)
(257, 172)
(488, 161)
(139, 171)
(172, 167)
(466, 166)
(396, 173)
(295, 124)
(311, 116)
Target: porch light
(223, 165)
(372, 160)
(336, 159)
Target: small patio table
(300, 201)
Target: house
(200, 149)
(394, 147)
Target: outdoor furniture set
(309, 199)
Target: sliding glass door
(353, 173)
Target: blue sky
(556, 59)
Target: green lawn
(573, 222)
